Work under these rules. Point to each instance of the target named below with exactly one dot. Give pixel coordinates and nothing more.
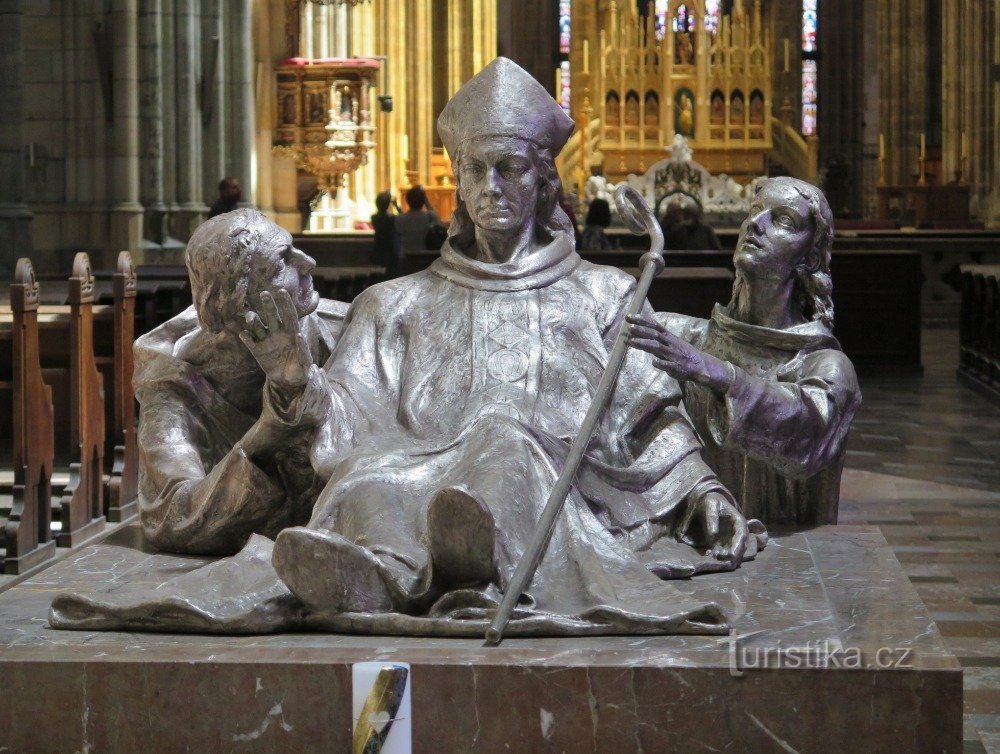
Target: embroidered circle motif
(507, 366)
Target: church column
(192, 207)
(458, 33)
(982, 56)
(484, 36)
(15, 216)
(263, 107)
(168, 104)
(150, 31)
(212, 77)
(240, 114)
(362, 45)
(126, 212)
(952, 105)
(903, 84)
(421, 90)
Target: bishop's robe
(777, 437)
(480, 375)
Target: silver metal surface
(765, 381)
(442, 420)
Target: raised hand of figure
(272, 336)
(675, 356)
(714, 523)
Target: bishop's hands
(272, 336)
(714, 523)
(676, 356)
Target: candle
(586, 56)
(787, 48)
(881, 146)
(558, 92)
(923, 145)
(965, 146)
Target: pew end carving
(81, 505)
(27, 532)
(123, 481)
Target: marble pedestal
(834, 652)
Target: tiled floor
(939, 510)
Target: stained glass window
(660, 20)
(564, 98)
(711, 16)
(684, 21)
(808, 97)
(564, 22)
(810, 22)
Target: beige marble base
(814, 605)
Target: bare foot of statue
(329, 573)
(460, 528)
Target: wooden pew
(27, 534)
(979, 329)
(123, 477)
(81, 505)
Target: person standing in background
(230, 194)
(598, 218)
(412, 226)
(388, 251)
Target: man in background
(230, 194)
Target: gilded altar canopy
(504, 100)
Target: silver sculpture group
(509, 442)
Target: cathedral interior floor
(923, 464)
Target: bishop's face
(498, 182)
(777, 235)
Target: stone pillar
(421, 89)
(168, 85)
(262, 21)
(213, 76)
(322, 33)
(15, 217)
(903, 85)
(240, 111)
(191, 204)
(343, 41)
(952, 94)
(151, 122)
(126, 213)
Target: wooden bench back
(27, 533)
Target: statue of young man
(215, 467)
(765, 382)
(449, 404)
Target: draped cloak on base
(479, 375)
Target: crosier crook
(639, 218)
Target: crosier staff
(639, 218)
